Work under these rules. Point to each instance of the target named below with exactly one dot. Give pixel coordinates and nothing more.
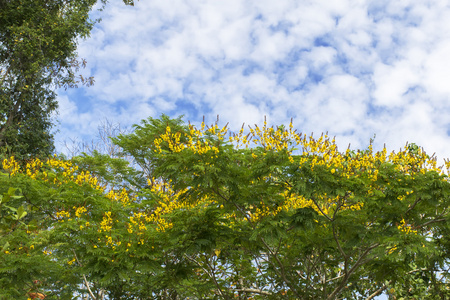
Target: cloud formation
(353, 69)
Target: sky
(354, 69)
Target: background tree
(38, 41)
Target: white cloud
(67, 109)
(392, 95)
(437, 71)
(353, 68)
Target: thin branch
(213, 276)
(279, 246)
(281, 266)
(358, 263)
(377, 292)
(360, 259)
(273, 254)
(337, 277)
(340, 249)
(340, 204)
(209, 273)
(301, 276)
(84, 277)
(235, 205)
(320, 209)
(414, 205)
(384, 286)
(198, 264)
(430, 222)
(255, 291)
(5, 75)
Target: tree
(276, 214)
(38, 41)
(268, 214)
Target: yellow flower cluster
(62, 214)
(406, 228)
(106, 226)
(411, 163)
(325, 205)
(257, 213)
(195, 142)
(58, 172)
(67, 172)
(106, 223)
(168, 203)
(12, 165)
(121, 196)
(32, 168)
(321, 152)
(447, 165)
(86, 177)
(268, 137)
(139, 222)
(79, 211)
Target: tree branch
(281, 266)
(377, 292)
(340, 249)
(255, 291)
(209, 273)
(337, 277)
(84, 277)
(412, 206)
(358, 263)
(235, 205)
(320, 209)
(430, 222)
(213, 276)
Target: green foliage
(140, 143)
(220, 220)
(113, 172)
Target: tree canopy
(265, 213)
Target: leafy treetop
(265, 214)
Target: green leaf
(21, 213)
(304, 217)
(5, 246)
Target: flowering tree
(280, 214)
(264, 214)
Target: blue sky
(352, 68)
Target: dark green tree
(38, 42)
